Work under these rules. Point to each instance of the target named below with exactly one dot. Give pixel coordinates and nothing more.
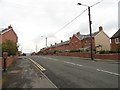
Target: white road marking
(79, 65)
(50, 58)
(73, 63)
(100, 70)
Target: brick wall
(75, 43)
(86, 42)
(114, 46)
(9, 61)
(10, 35)
(96, 56)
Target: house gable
(9, 34)
(75, 43)
(114, 44)
(103, 40)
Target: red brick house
(8, 34)
(115, 41)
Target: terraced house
(115, 41)
(100, 41)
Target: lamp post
(45, 41)
(90, 22)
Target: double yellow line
(38, 65)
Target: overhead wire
(76, 17)
(70, 21)
(96, 3)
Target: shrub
(75, 51)
(10, 47)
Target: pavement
(25, 74)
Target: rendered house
(8, 34)
(115, 41)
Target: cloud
(33, 19)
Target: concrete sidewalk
(24, 74)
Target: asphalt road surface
(74, 72)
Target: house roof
(59, 44)
(117, 34)
(81, 36)
(2, 31)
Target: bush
(75, 51)
(10, 47)
(109, 52)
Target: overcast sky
(32, 19)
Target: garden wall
(88, 55)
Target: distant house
(115, 41)
(8, 34)
(100, 41)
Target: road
(74, 72)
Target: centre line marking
(72, 63)
(100, 70)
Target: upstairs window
(117, 40)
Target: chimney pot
(100, 28)
(78, 33)
(10, 26)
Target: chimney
(70, 38)
(9, 27)
(61, 41)
(78, 33)
(50, 44)
(55, 43)
(100, 28)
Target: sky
(34, 20)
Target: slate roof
(2, 31)
(117, 34)
(59, 44)
(81, 37)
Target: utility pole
(90, 22)
(90, 27)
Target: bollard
(5, 55)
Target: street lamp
(45, 41)
(90, 22)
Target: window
(117, 40)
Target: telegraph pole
(90, 27)
(91, 43)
